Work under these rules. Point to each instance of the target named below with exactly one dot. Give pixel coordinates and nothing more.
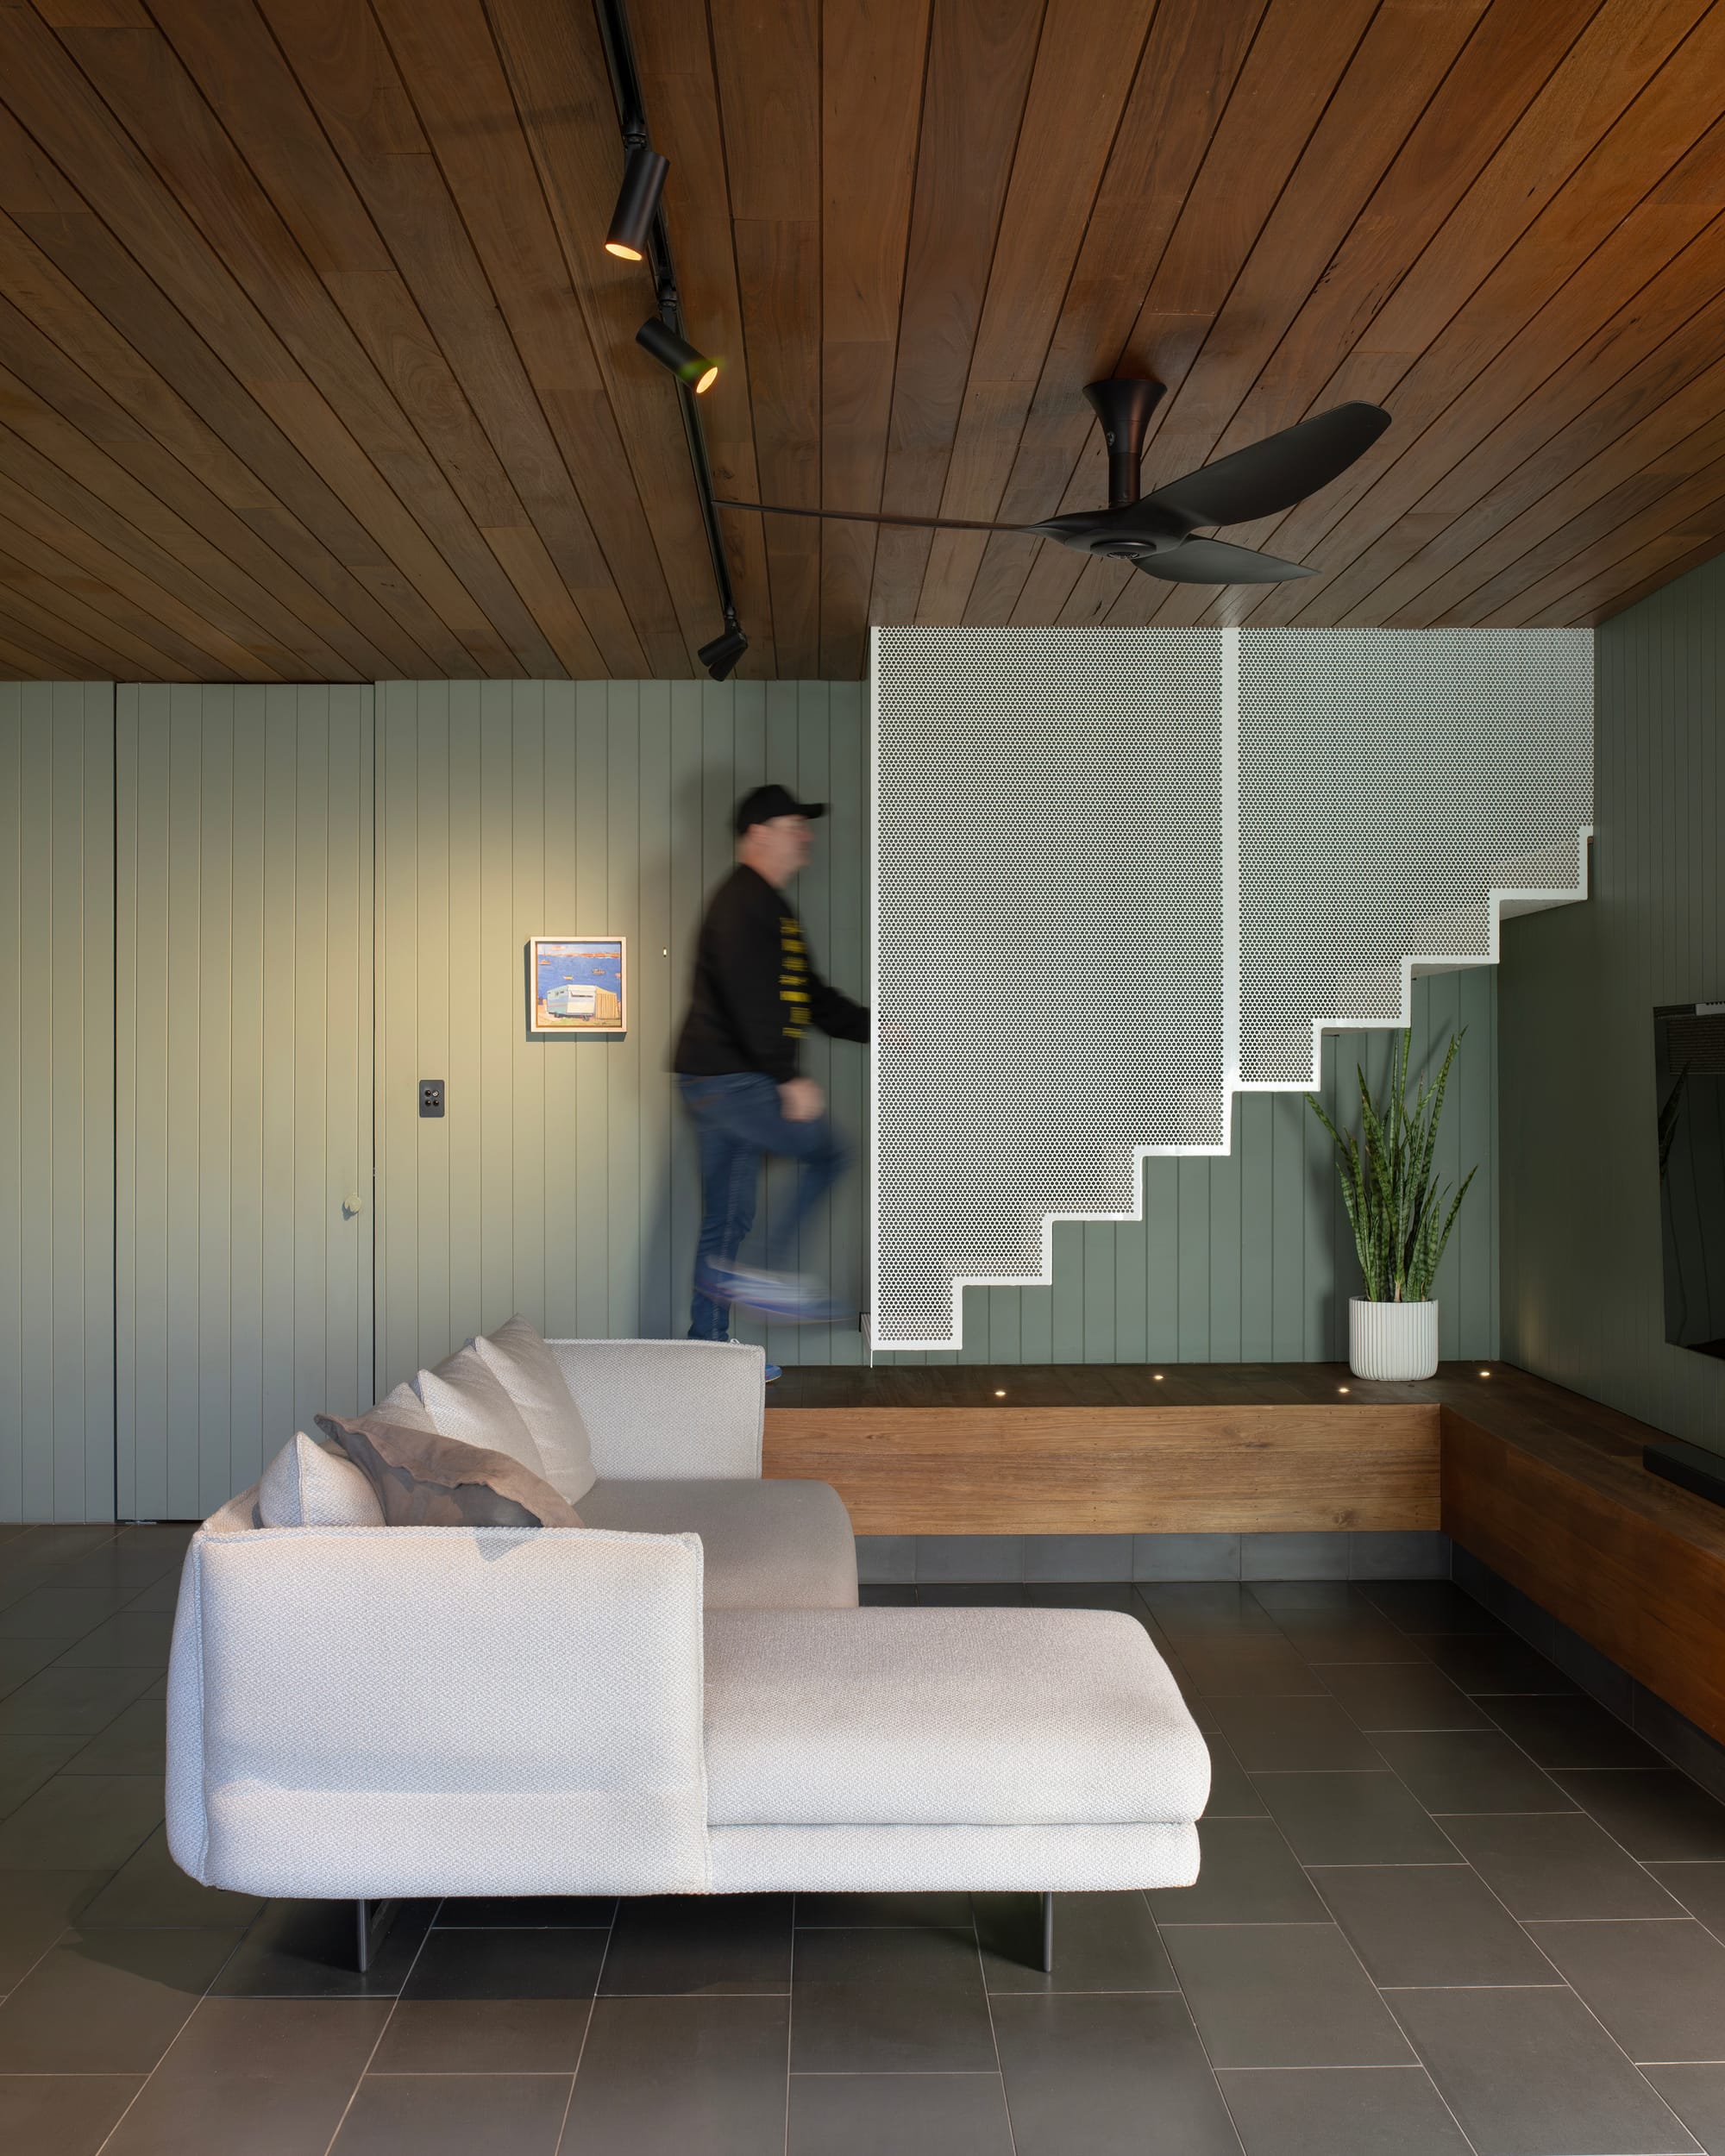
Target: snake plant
(1394, 1201)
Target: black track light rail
(631, 111)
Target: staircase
(1122, 874)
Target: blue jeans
(737, 1118)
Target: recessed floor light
(1341, 1388)
(1485, 1373)
(1158, 1378)
(1000, 1395)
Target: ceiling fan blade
(1213, 562)
(1271, 475)
(865, 517)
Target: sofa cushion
(768, 1545)
(978, 1717)
(422, 1479)
(465, 1400)
(306, 1485)
(518, 1358)
(403, 1409)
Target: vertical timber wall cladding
(56, 1100)
(561, 1181)
(243, 1009)
(1581, 1262)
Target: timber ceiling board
(311, 367)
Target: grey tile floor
(1448, 1904)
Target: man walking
(756, 994)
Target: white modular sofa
(367, 1713)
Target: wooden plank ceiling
(311, 367)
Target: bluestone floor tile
(1659, 1986)
(1234, 1794)
(1247, 1875)
(86, 1822)
(1282, 1995)
(458, 2114)
(60, 1614)
(525, 1912)
(1480, 1663)
(1341, 2111)
(149, 1891)
(1661, 1814)
(491, 2036)
(1360, 1636)
(1697, 2094)
(135, 1742)
(108, 2002)
(1426, 1605)
(1387, 1696)
(1108, 2074)
(26, 1763)
(507, 1964)
(133, 1639)
(1271, 1736)
(268, 2077)
(909, 2115)
(58, 1702)
(1556, 1866)
(1430, 1924)
(1700, 1888)
(696, 2077)
(61, 2115)
(1103, 1942)
(1470, 1771)
(1570, 1732)
(973, 1594)
(35, 1907)
(1248, 1667)
(890, 2001)
(1333, 1601)
(883, 1911)
(688, 1944)
(1529, 2072)
(1202, 1609)
(304, 1950)
(1353, 1819)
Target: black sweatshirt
(756, 990)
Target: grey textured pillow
(425, 1480)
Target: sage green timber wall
(561, 1181)
(56, 1100)
(244, 1015)
(1581, 1256)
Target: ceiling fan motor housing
(1124, 404)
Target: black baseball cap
(766, 802)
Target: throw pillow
(306, 1485)
(465, 1400)
(517, 1356)
(422, 1479)
(403, 1407)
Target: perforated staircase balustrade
(1121, 876)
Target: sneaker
(773, 1371)
(793, 1298)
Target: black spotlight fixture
(637, 201)
(675, 352)
(721, 655)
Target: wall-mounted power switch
(430, 1096)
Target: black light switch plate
(430, 1096)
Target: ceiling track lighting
(638, 234)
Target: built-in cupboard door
(242, 1002)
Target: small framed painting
(577, 984)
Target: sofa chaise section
(367, 1713)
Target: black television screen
(1688, 1059)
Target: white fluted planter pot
(1392, 1340)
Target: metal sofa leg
(372, 1921)
(1048, 1934)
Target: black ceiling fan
(1154, 531)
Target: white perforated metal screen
(1118, 873)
